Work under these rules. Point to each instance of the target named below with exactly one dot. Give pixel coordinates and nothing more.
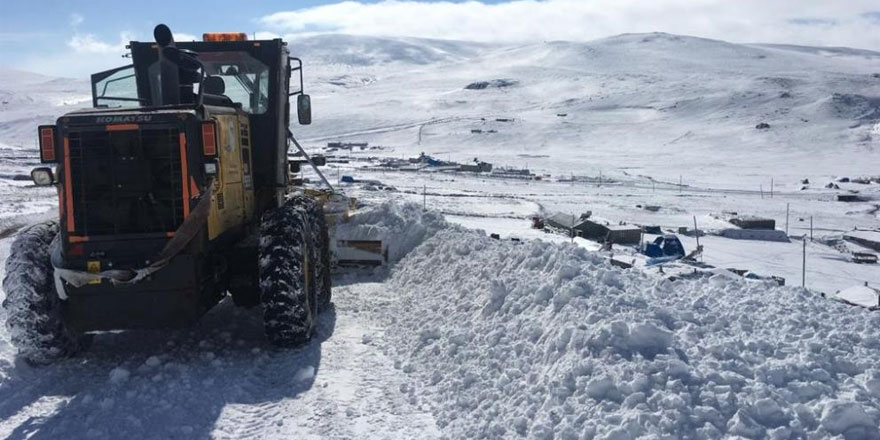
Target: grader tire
(321, 266)
(286, 254)
(33, 308)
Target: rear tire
(285, 256)
(33, 308)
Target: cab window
(245, 79)
(115, 88)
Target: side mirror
(304, 109)
(43, 176)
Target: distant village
(427, 163)
(627, 244)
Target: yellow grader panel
(232, 198)
(246, 167)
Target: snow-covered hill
(28, 99)
(359, 51)
(638, 101)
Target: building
(347, 145)
(513, 173)
(592, 229)
(752, 222)
(754, 234)
(868, 239)
(477, 167)
(863, 296)
(624, 234)
(565, 222)
(848, 198)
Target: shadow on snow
(202, 371)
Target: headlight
(42, 176)
(211, 168)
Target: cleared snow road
(220, 379)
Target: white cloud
(86, 53)
(266, 36)
(88, 43)
(76, 19)
(180, 36)
(811, 22)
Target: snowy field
(468, 337)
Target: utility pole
(424, 197)
(771, 188)
(762, 190)
(679, 183)
(787, 206)
(804, 267)
(811, 228)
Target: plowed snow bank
(546, 341)
(401, 226)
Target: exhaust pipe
(169, 71)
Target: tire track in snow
(355, 392)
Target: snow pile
(401, 226)
(546, 341)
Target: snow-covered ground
(220, 379)
(476, 338)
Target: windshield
(245, 79)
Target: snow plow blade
(360, 253)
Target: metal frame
(100, 76)
(299, 67)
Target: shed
(864, 258)
(863, 296)
(623, 234)
(656, 230)
(868, 239)
(476, 167)
(752, 222)
(592, 229)
(754, 234)
(562, 220)
(848, 198)
(569, 223)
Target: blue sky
(73, 38)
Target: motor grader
(174, 191)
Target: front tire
(321, 240)
(33, 308)
(287, 292)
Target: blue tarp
(665, 246)
(347, 179)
